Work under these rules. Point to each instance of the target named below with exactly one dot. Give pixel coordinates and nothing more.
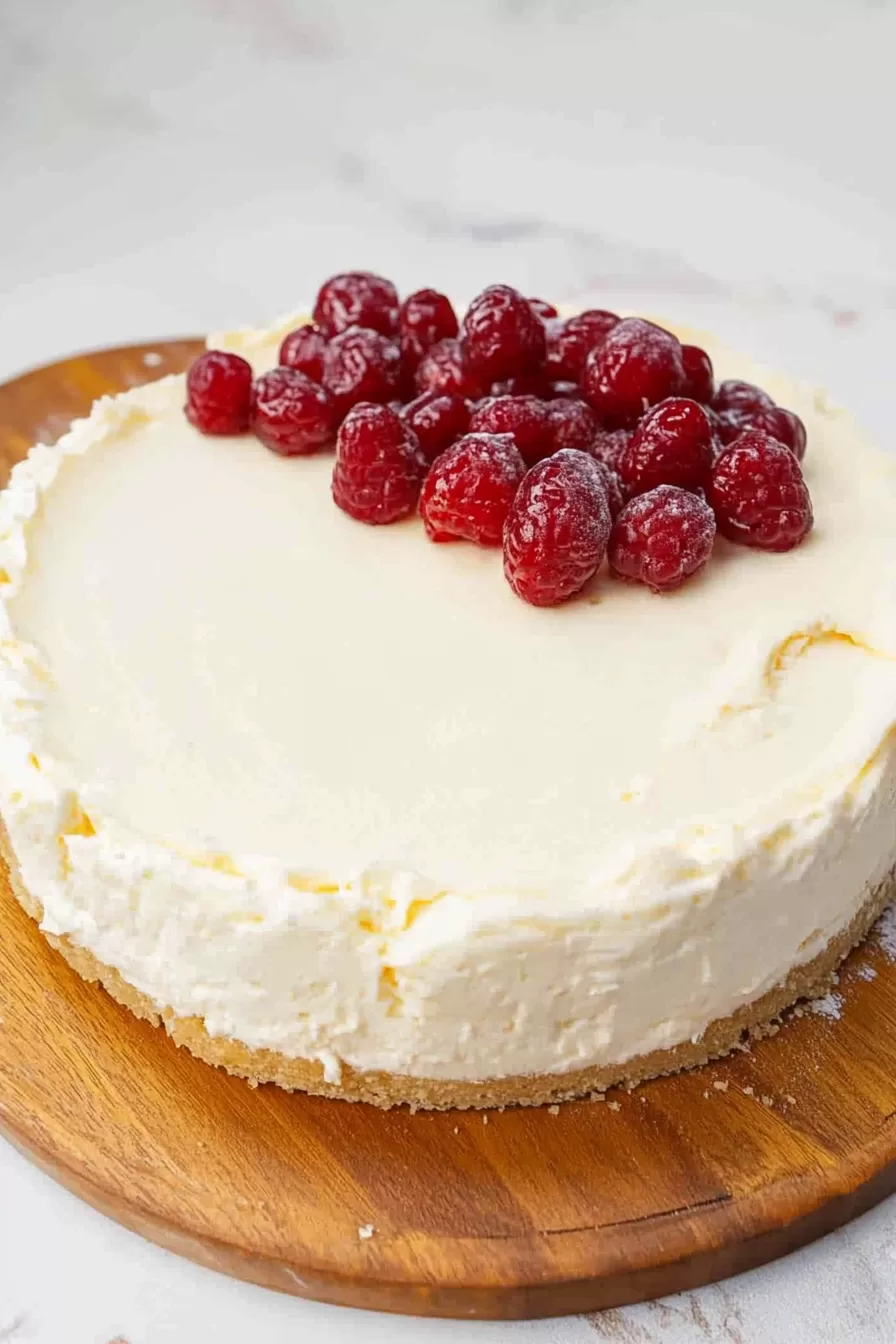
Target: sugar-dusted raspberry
(758, 494)
(556, 533)
(469, 490)
(501, 334)
(544, 310)
(219, 393)
(608, 445)
(571, 342)
(291, 414)
(662, 537)
(379, 466)
(636, 365)
(572, 424)
(524, 418)
(521, 385)
(444, 368)
(699, 380)
(616, 496)
(361, 365)
(357, 299)
(424, 318)
(736, 395)
(437, 418)
(672, 445)
(304, 349)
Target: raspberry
(379, 466)
(521, 385)
(572, 424)
(437, 418)
(733, 395)
(544, 310)
(672, 445)
(291, 414)
(524, 418)
(304, 349)
(556, 533)
(758, 494)
(637, 365)
(662, 537)
(616, 496)
(424, 318)
(361, 365)
(444, 369)
(608, 445)
(502, 336)
(699, 380)
(357, 299)
(469, 490)
(219, 393)
(782, 424)
(570, 342)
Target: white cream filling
(336, 791)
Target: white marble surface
(172, 167)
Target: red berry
(636, 366)
(304, 349)
(521, 385)
(572, 424)
(571, 342)
(219, 393)
(734, 395)
(699, 380)
(379, 466)
(444, 369)
(672, 445)
(437, 418)
(361, 365)
(525, 418)
(758, 494)
(557, 530)
(608, 445)
(424, 318)
(291, 414)
(502, 336)
(357, 299)
(469, 490)
(542, 308)
(616, 495)
(783, 425)
(662, 537)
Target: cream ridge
(334, 791)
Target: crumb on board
(457, 1129)
(553, 1110)
(720, 1085)
(748, 1091)
(791, 1101)
(614, 1106)
(366, 1232)
(484, 1119)
(766, 1101)
(596, 1096)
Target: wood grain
(511, 1214)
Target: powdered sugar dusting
(885, 932)
(829, 1006)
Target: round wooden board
(511, 1214)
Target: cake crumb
(720, 1085)
(553, 1110)
(766, 1101)
(485, 1119)
(705, 1096)
(614, 1106)
(828, 1006)
(457, 1129)
(596, 1096)
(866, 973)
(748, 1091)
(643, 1100)
(366, 1232)
(791, 1101)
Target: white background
(172, 166)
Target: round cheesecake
(344, 814)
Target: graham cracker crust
(386, 1090)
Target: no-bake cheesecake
(343, 812)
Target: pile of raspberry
(564, 440)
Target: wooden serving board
(511, 1214)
